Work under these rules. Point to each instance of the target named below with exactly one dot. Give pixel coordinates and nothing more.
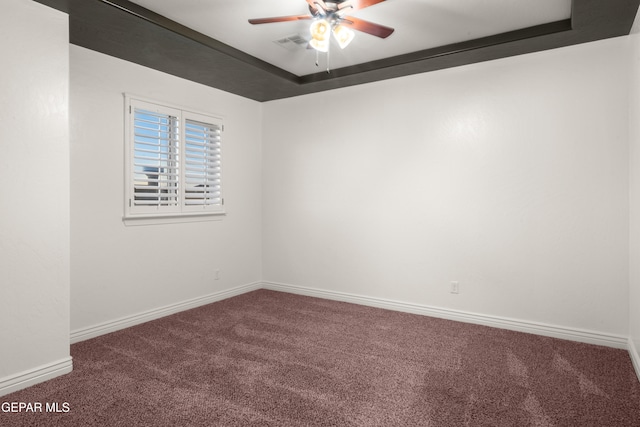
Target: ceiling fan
(330, 17)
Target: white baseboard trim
(128, 321)
(36, 375)
(585, 336)
(635, 357)
(572, 334)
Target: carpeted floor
(273, 359)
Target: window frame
(182, 211)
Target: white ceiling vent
(294, 42)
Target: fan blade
(279, 19)
(358, 4)
(313, 5)
(367, 27)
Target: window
(173, 162)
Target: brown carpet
(274, 359)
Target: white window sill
(151, 219)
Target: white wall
(509, 176)
(634, 193)
(34, 212)
(117, 270)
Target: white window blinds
(155, 159)
(174, 161)
(202, 164)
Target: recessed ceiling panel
(418, 24)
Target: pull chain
(328, 50)
(318, 59)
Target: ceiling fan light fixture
(328, 17)
(343, 35)
(320, 30)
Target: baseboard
(125, 322)
(573, 334)
(635, 357)
(34, 376)
(590, 337)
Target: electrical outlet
(217, 275)
(455, 287)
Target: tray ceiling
(418, 24)
(211, 41)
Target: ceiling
(212, 42)
(418, 24)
